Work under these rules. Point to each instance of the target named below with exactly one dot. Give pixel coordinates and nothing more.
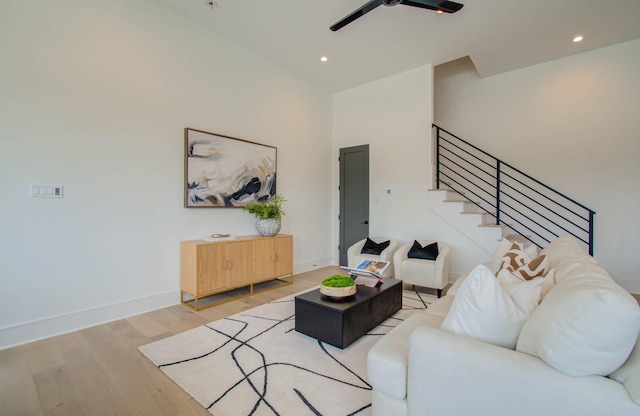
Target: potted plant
(338, 286)
(269, 214)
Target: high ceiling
(498, 35)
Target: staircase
(465, 216)
(488, 199)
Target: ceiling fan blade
(444, 5)
(356, 14)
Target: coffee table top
(363, 294)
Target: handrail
(460, 168)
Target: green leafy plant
(338, 281)
(269, 208)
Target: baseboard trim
(51, 326)
(312, 265)
(26, 332)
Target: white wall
(572, 123)
(94, 96)
(394, 116)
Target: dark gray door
(354, 197)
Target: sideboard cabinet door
(239, 263)
(272, 257)
(283, 250)
(210, 273)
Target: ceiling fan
(437, 5)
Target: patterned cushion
(534, 268)
(516, 261)
(503, 246)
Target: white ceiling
(498, 35)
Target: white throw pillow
(549, 283)
(524, 293)
(586, 325)
(483, 310)
(566, 249)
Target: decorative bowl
(338, 286)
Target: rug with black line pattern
(255, 363)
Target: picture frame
(226, 172)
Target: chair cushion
(371, 247)
(586, 324)
(428, 252)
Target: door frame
(342, 243)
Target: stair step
(453, 191)
(463, 200)
(516, 238)
(446, 183)
(484, 237)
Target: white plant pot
(268, 227)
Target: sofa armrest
(457, 375)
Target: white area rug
(255, 363)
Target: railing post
(498, 168)
(591, 233)
(437, 157)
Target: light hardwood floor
(99, 371)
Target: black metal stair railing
(510, 197)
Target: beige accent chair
(419, 272)
(355, 257)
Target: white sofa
(585, 324)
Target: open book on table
(368, 272)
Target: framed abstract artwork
(222, 171)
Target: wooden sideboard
(235, 268)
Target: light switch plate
(45, 191)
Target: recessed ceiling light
(578, 38)
(439, 11)
(324, 59)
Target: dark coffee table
(341, 322)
